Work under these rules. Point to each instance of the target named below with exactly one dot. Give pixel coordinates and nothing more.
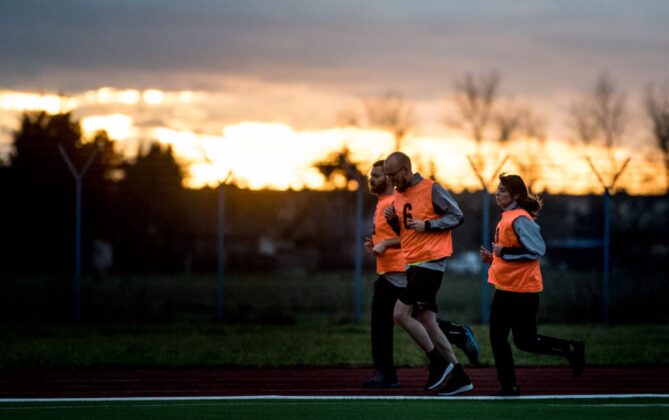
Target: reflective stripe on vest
(416, 203)
(513, 276)
(392, 259)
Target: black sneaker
(380, 381)
(456, 385)
(577, 357)
(507, 392)
(439, 370)
(470, 346)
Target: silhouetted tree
(657, 109)
(600, 117)
(40, 188)
(391, 112)
(156, 169)
(508, 121)
(475, 98)
(153, 213)
(338, 169)
(516, 122)
(35, 158)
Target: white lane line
(330, 398)
(631, 405)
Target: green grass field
(289, 297)
(368, 409)
(308, 343)
(278, 319)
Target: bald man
(384, 244)
(423, 213)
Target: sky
(295, 65)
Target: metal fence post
(485, 229)
(358, 249)
(220, 274)
(485, 240)
(607, 256)
(78, 177)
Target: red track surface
(311, 381)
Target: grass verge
(591, 409)
(310, 342)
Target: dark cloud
(419, 46)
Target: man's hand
(369, 244)
(486, 256)
(389, 212)
(379, 249)
(417, 225)
(497, 249)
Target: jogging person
(391, 282)
(515, 273)
(423, 213)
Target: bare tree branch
(391, 112)
(509, 121)
(475, 98)
(348, 118)
(582, 123)
(657, 109)
(533, 132)
(601, 117)
(609, 110)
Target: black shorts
(422, 287)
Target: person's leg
(430, 281)
(439, 367)
(429, 321)
(501, 315)
(462, 337)
(526, 338)
(415, 329)
(454, 332)
(383, 304)
(459, 381)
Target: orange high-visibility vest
(416, 203)
(513, 276)
(392, 260)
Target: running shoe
(470, 346)
(456, 385)
(507, 392)
(439, 370)
(577, 357)
(378, 380)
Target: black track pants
(517, 312)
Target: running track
(311, 382)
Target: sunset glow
(272, 155)
(117, 126)
(23, 101)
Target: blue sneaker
(470, 346)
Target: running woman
(516, 275)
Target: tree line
(38, 195)
(598, 117)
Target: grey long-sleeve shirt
(529, 235)
(451, 217)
